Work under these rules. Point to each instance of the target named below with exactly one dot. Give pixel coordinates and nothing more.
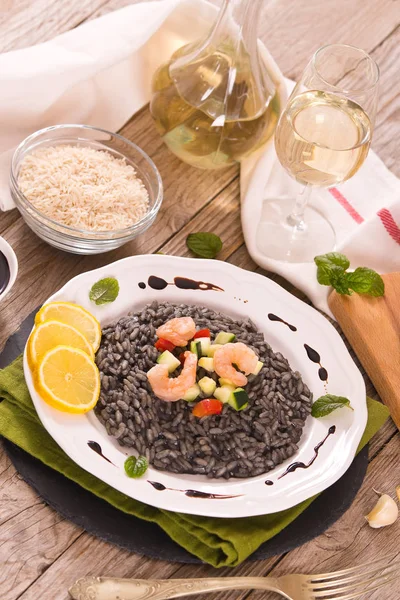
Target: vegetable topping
(207, 407)
(162, 345)
(171, 381)
(202, 333)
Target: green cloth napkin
(219, 542)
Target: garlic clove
(384, 513)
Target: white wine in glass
(322, 138)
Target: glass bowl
(71, 239)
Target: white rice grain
(83, 188)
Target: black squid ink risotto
(232, 444)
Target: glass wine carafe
(214, 102)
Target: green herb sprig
(327, 404)
(204, 244)
(135, 467)
(104, 291)
(332, 270)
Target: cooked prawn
(177, 331)
(238, 354)
(172, 389)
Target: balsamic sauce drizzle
(95, 446)
(4, 272)
(273, 317)
(269, 482)
(160, 487)
(183, 283)
(300, 465)
(315, 358)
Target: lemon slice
(49, 334)
(74, 315)
(68, 379)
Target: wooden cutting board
(372, 326)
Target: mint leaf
(326, 271)
(333, 258)
(135, 467)
(331, 270)
(340, 284)
(327, 404)
(104, 291)
(366, 281)
(206, 245)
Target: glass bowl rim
(67, 229)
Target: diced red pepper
(181, 358)
(162, 345)
(208, 407)
(202, 333)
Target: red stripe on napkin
(346, 205)
(389, 224)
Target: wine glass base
(282, 241)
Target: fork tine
(353, 579)
(351, 570)
(360, 587)
(354, 595)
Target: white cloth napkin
(100, 74)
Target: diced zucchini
(239, 399)
(212, 349)
(192, 393)
(205, 345)
(224, 394)
(207, 385)
(227, 383)
(224, 337)
(207, 364)
(167, 358)
(195, 347)
(258, 368)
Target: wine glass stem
(296, 218)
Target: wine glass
(322, 138)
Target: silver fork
(340, 585)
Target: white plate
(244, 294)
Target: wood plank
(90, 556)
(7, 219)
(26, 22)
(292, 31)
(386, 137)
(222, 217)
(29, 545)
(284, 23)
(15, 495)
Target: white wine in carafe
(206, 133)
(322, 138)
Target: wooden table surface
(41, 554)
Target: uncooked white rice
(83, 188)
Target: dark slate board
(106, 522)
